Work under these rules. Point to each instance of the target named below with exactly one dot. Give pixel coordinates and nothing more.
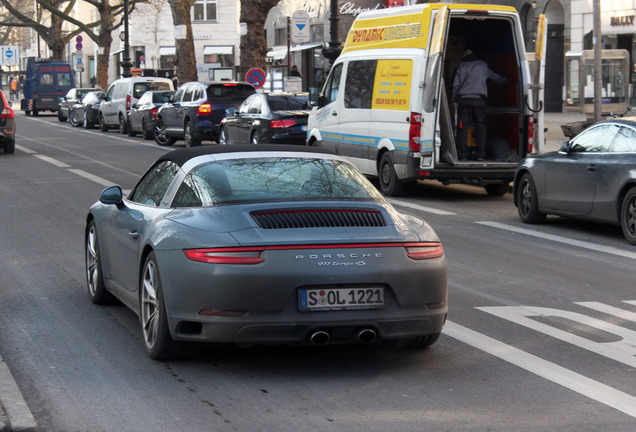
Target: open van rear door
(431, 85)
(538, 88)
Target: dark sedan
(196, 110)
(86, 112)
(143, 114)
(7, 125)
(258, 245)
(592, 177)
(277, 118)
(74, 96)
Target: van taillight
(414, 132)
(204, 109)
(7, 113)
(128, 102)
(530, 133)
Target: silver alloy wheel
(223, 137)
(526, 196)
(92, 269)
(149, 305)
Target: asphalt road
(541, 333)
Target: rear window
(143, 87)
(272, 179)
(279, 103)
(162, 97)
(230, 91)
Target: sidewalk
(554, 136)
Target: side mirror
(314, 96)
(565, 147)
(112, 196)
(135, 106)
(230, 111)
(102, 96)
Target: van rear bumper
(463, 172)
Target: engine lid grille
(318, 218)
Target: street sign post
(10, 55)
(300, 27)
(256, 77)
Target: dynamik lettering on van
(387, 104)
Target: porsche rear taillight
(204, 109)
(422, 251)
(247, 255)
(282, 124)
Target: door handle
(592, 168)
(134, 234)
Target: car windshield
(229, 91)
(273, 179)
(280, 103)
(142, 87)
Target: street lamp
(335, 46)
(126, 64)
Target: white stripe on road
(92, 177)
(421, 208)
(585, 245)
(24, 149)
(576, 382)
(50, 160)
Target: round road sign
(256, 77)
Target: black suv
(195, 111)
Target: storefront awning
(167, 51)
(279, 52)
(208, 50)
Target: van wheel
(389, 183)
(35, 112)
(9, 147)
(123, 126)
(102, 124)
(188, 136)
(497, 189)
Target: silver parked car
(592, 177)
(258, 245)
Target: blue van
(46, 82)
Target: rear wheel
(628, 216)
(123, 125)
(9, 147)
(87, 124)
(497, 189)
(131, 132)
(222, 136)
(147, 134)
(188, 136)
(154, 321)
(255, 138)
(390, 185)
(60, 116)
(161, 136)
(528, 201)
(102, 123)
(72, 119)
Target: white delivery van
(386, 103)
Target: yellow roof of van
(402, 27)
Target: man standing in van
(469, 93)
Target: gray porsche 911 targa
(264, 245)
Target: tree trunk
(105, 39)
(184, 41)
(253, 44)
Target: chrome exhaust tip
(319, 338)
(366, 336)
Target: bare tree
(184, 41)
(253, 44)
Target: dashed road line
(52, 161)
(91, 177)
(422, 208)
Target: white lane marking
(576, 382)
(610, 310)
(92, 177)
(569, 241)
(50, 160)
(622, 350)
(13, 402)
(24, 149)
(421, 208)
